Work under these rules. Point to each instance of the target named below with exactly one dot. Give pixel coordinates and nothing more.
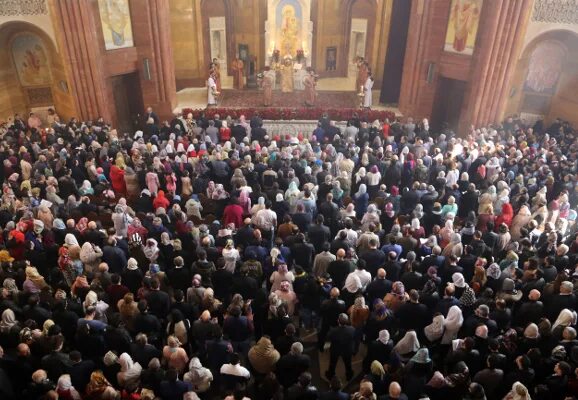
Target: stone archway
(545, 78)
(19, 90)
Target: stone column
(502, 29)
(77, 40)
(151, 29)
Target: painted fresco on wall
(116, 25)
(463, 26)
(545, 67)
(289, 35)
(31, 60)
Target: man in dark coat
(342, 340)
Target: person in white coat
(211, 90)
(367, 102)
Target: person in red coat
(506, 217)
(117, 179)
(161, 201)
(233, 214)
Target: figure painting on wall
(31, 60)
(545, 67)
(238, 66)
(116, 24)
(289, 31)
(463, 26)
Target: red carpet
(254, 99)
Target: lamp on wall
(147, 69)
(431, 70)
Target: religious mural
(116, 24)
(289, 35)
(31, 60)
(545, 67)
(463, 26)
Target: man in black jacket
(330, 310)
(412, 315)
(292, 364)
(530, 311)
(341, 338)
(158, 301)
(374, 257)
(379, 287)
(319, 233)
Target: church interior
(373, 96)
(427, 59)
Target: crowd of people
(189, 260)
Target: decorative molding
(556, 11)
(23, 7)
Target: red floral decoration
(287, 114)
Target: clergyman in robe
(238, 66)
(310, 91)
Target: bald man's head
(205, 316)
(394, 390)
(381, 273)
(534, 295)
(23, 350)
(340, 253)
(334, 293)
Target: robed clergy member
(238, 66)
(287, 76)
(212, 90)
(367, 101)
(267, 84)
(310, 91)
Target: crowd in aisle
(196, 259)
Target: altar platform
(332, 93)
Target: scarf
(435, 330)
(408, 344)
(454, 319)
(8, 321)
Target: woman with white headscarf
(292, 195)
(91, 300)
(434, 331)
(452, 324)
(198, 376)
(258, 207)
(371, 217)
(8, 321)
(151, 250)
(408, 345)
(231, 256)
(565, 318)
(65, 389)
(518, 392)
(129, 375)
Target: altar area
(290, 51)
